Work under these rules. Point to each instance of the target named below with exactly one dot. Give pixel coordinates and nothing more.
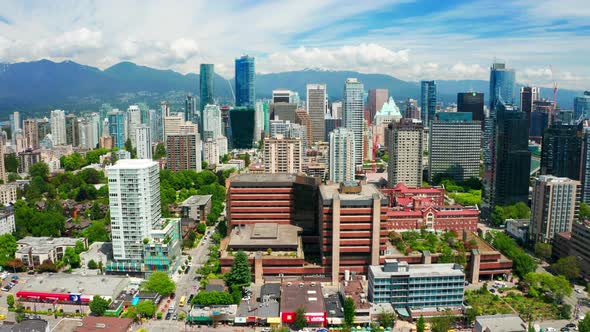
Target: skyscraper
(554, 207)
(455, 142)
(282, 155)
(528, 94)
(183, 151)
(72, 130)
(190, 110)
(245, 81)
(317, 105)
(143, 142)
(283, 111)
(31, 134)
(14, 124)
(376, 99)
(353, 115)
(427, 101)
(242, 121)
(133, 122)
(134, 199)
(281, 96)
(58, 127)
(585, 162)
(3, 175)
(406, 145)
(342, 155)
(118, 128)
(582, 106)
(206, 87)
(471, 102)
(211, 152)
(211, 122)
(501, 85)
(561, 151)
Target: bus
(182, 301)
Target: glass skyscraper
(245, 80)
(428, 101)
(501, 85)
(206, 77)
(117, 128)
(582, 105)
(242, 123)
(353, 115)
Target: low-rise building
(212, 315)
(424, 286)
(500, 323)
(7, 224)
(8, 194)
(33, 251)
(196, 207)
(307, 295)
(110, 324)
(518, 229)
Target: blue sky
(411, 40)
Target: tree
(386, 319)
(349, 309)
(98, 305)
(420, 324)
(584, 211)
(7, 248)
(543, 250)
(442, 323)
(300, 320)
(131, 312)
(11, 162)
(80, 247)
(201, 228)
(160, 151)
(96, 232)
(72, 258)
(584, 324)
(39, 169)
(214, 298)
(47, 266)
(10, 300)
(16, 264)
(567, 267)
(92, 264)
(146, 308)
(240, 271)
(160, 283)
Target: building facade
(342, 155)
(406, 143)
(58, 127)
(31, 134)
(133, 122)
(471, 102)
(206, 86)
(561, 151)
(118, 128)
(282, 155)
(7, 223)
(242, 121)
(72, 130)
(375, 101)
(245, 76)
(211, 122)
(353, 115)
(501, 86)
(582, 106)
(317, 105)
(143, 142)
(428, 101)
(183, 151)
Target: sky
(412, 40)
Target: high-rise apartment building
(582, 106)
(211, 122)
(133, 122)
(183, 151)
(428, 101)
(375, 101)
(501, 86)
(72, 130)
(31, 134)
(3, 174)
(143, 142)
(585, 162)
(342, 155)
(317, 105)
(58, 127)
(245, 77)
(353, 115)
(471, 102)
(134, 199)
(211, 152)
(118, 128)
(282, 155)
(561, 151)
(528, 94)
(455, 144)
(406, 144)
(554, 207)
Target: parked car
(168, 316)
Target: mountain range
(39, 86)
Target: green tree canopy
(567, 267)
(11, 162)
(98, 305)
(349, 309)
(523, 262)
(160, 151)
(584, 324)
(72, 258)
(213, 298)
(584, 212)
(146, 308)
(543, 250)
(420, 324)
(300, 320)
(160, 283)
(240, 271)
(39, 169)
(7, 248)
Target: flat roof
(71, 283)
(133, 164)
(264, 234)
(367, 191)
(263, 179)
(44, 244)
(105, 324)
(501, 323)
(307, 294)
(196, 200)
(420, 270)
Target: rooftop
(197, 200)
(500, 323)
(263, 179)
(307, 294)
(133, 164)
(44, 244)
(393, 267)
(267, 235)
(105, 324)
(366, 193)
(70, 283)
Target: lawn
(486, 304)
(473, 197)
(491, 304)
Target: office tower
(582, 105)
(411, 110)
(353, 115)
(206, 85)
(405, 145)
(183, 151)
(94, 122)
(471, 102)
(245, 81)
(3, 174)
(154, 125)
(554, 207)
(281, 96)
(190, 110)
(528, 94)
(585, 162)
(72, 130)
(304, 119)
(118, 128)
(317, 105)
(336, 110)
(143, 142)
(283, 111)
(501, 85)
(342, 155)
(282, 155)
(211, 122)
(58, 127)
(330, 124)
(375, 101)
(133, 122)
(561, 151)
(14, 124)
(134, 199)
(211, 152)
(455, 142)
(242, 122)
(427, 101)
(31, 134)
